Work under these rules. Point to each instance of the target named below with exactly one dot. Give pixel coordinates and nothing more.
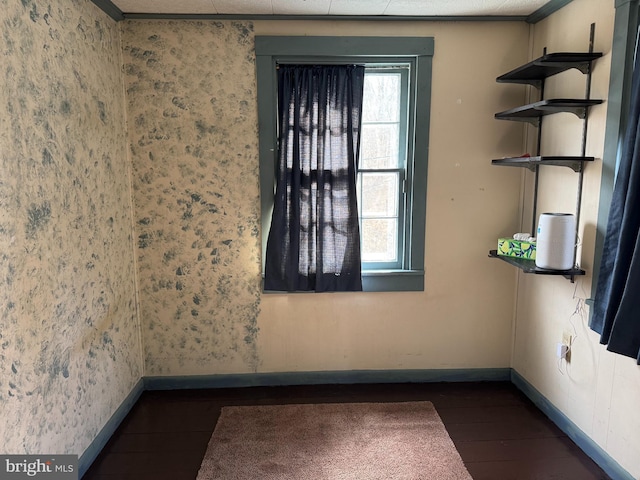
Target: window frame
(272, 50)
(404, 171)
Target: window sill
(383, 281)
(393, 280)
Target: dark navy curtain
(314, 239)
(616, 314)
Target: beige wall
(69, 329)
(69, 334)
(597, 390)
(192, 101)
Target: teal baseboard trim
(326, 378)
(93, 450)
(608, 464)
(591, 448)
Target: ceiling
(334, 7)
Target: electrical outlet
(567, 339)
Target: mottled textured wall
(69, 334)
(193, 134)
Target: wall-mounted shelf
(534, 72)
(529, 266)
(531, 113)
(574, 163)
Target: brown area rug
(355, 441)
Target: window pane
(380, 149)
(380, 194)
(379, 240)
(379, 146)
(381, 97)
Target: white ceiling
(334, 7)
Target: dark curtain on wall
(616, 314)
(314, 240)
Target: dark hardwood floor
(499, 433)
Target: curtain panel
(616, 313)
(314, 239)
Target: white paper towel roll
(555, 241)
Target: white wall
(597, 390)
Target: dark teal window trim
(622, 53)
(273, 49)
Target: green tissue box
(509, 247)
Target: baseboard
(608, 464)
(591, 448)
(326, 377)
(94, 449)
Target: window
(394, 145)
(383, 167)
